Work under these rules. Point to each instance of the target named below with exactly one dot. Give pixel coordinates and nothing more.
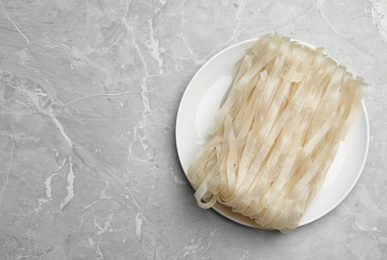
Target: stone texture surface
(89, 92)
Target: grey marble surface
(89, 92)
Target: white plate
(199, 106)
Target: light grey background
(89, 92)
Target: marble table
(89, 92)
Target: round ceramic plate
(199, 106)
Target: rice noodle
(276, 133)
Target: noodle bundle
(276, 133)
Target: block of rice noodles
(276, 133)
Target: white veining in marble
(378, 11)
(89, 92)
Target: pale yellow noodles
(276, 133)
